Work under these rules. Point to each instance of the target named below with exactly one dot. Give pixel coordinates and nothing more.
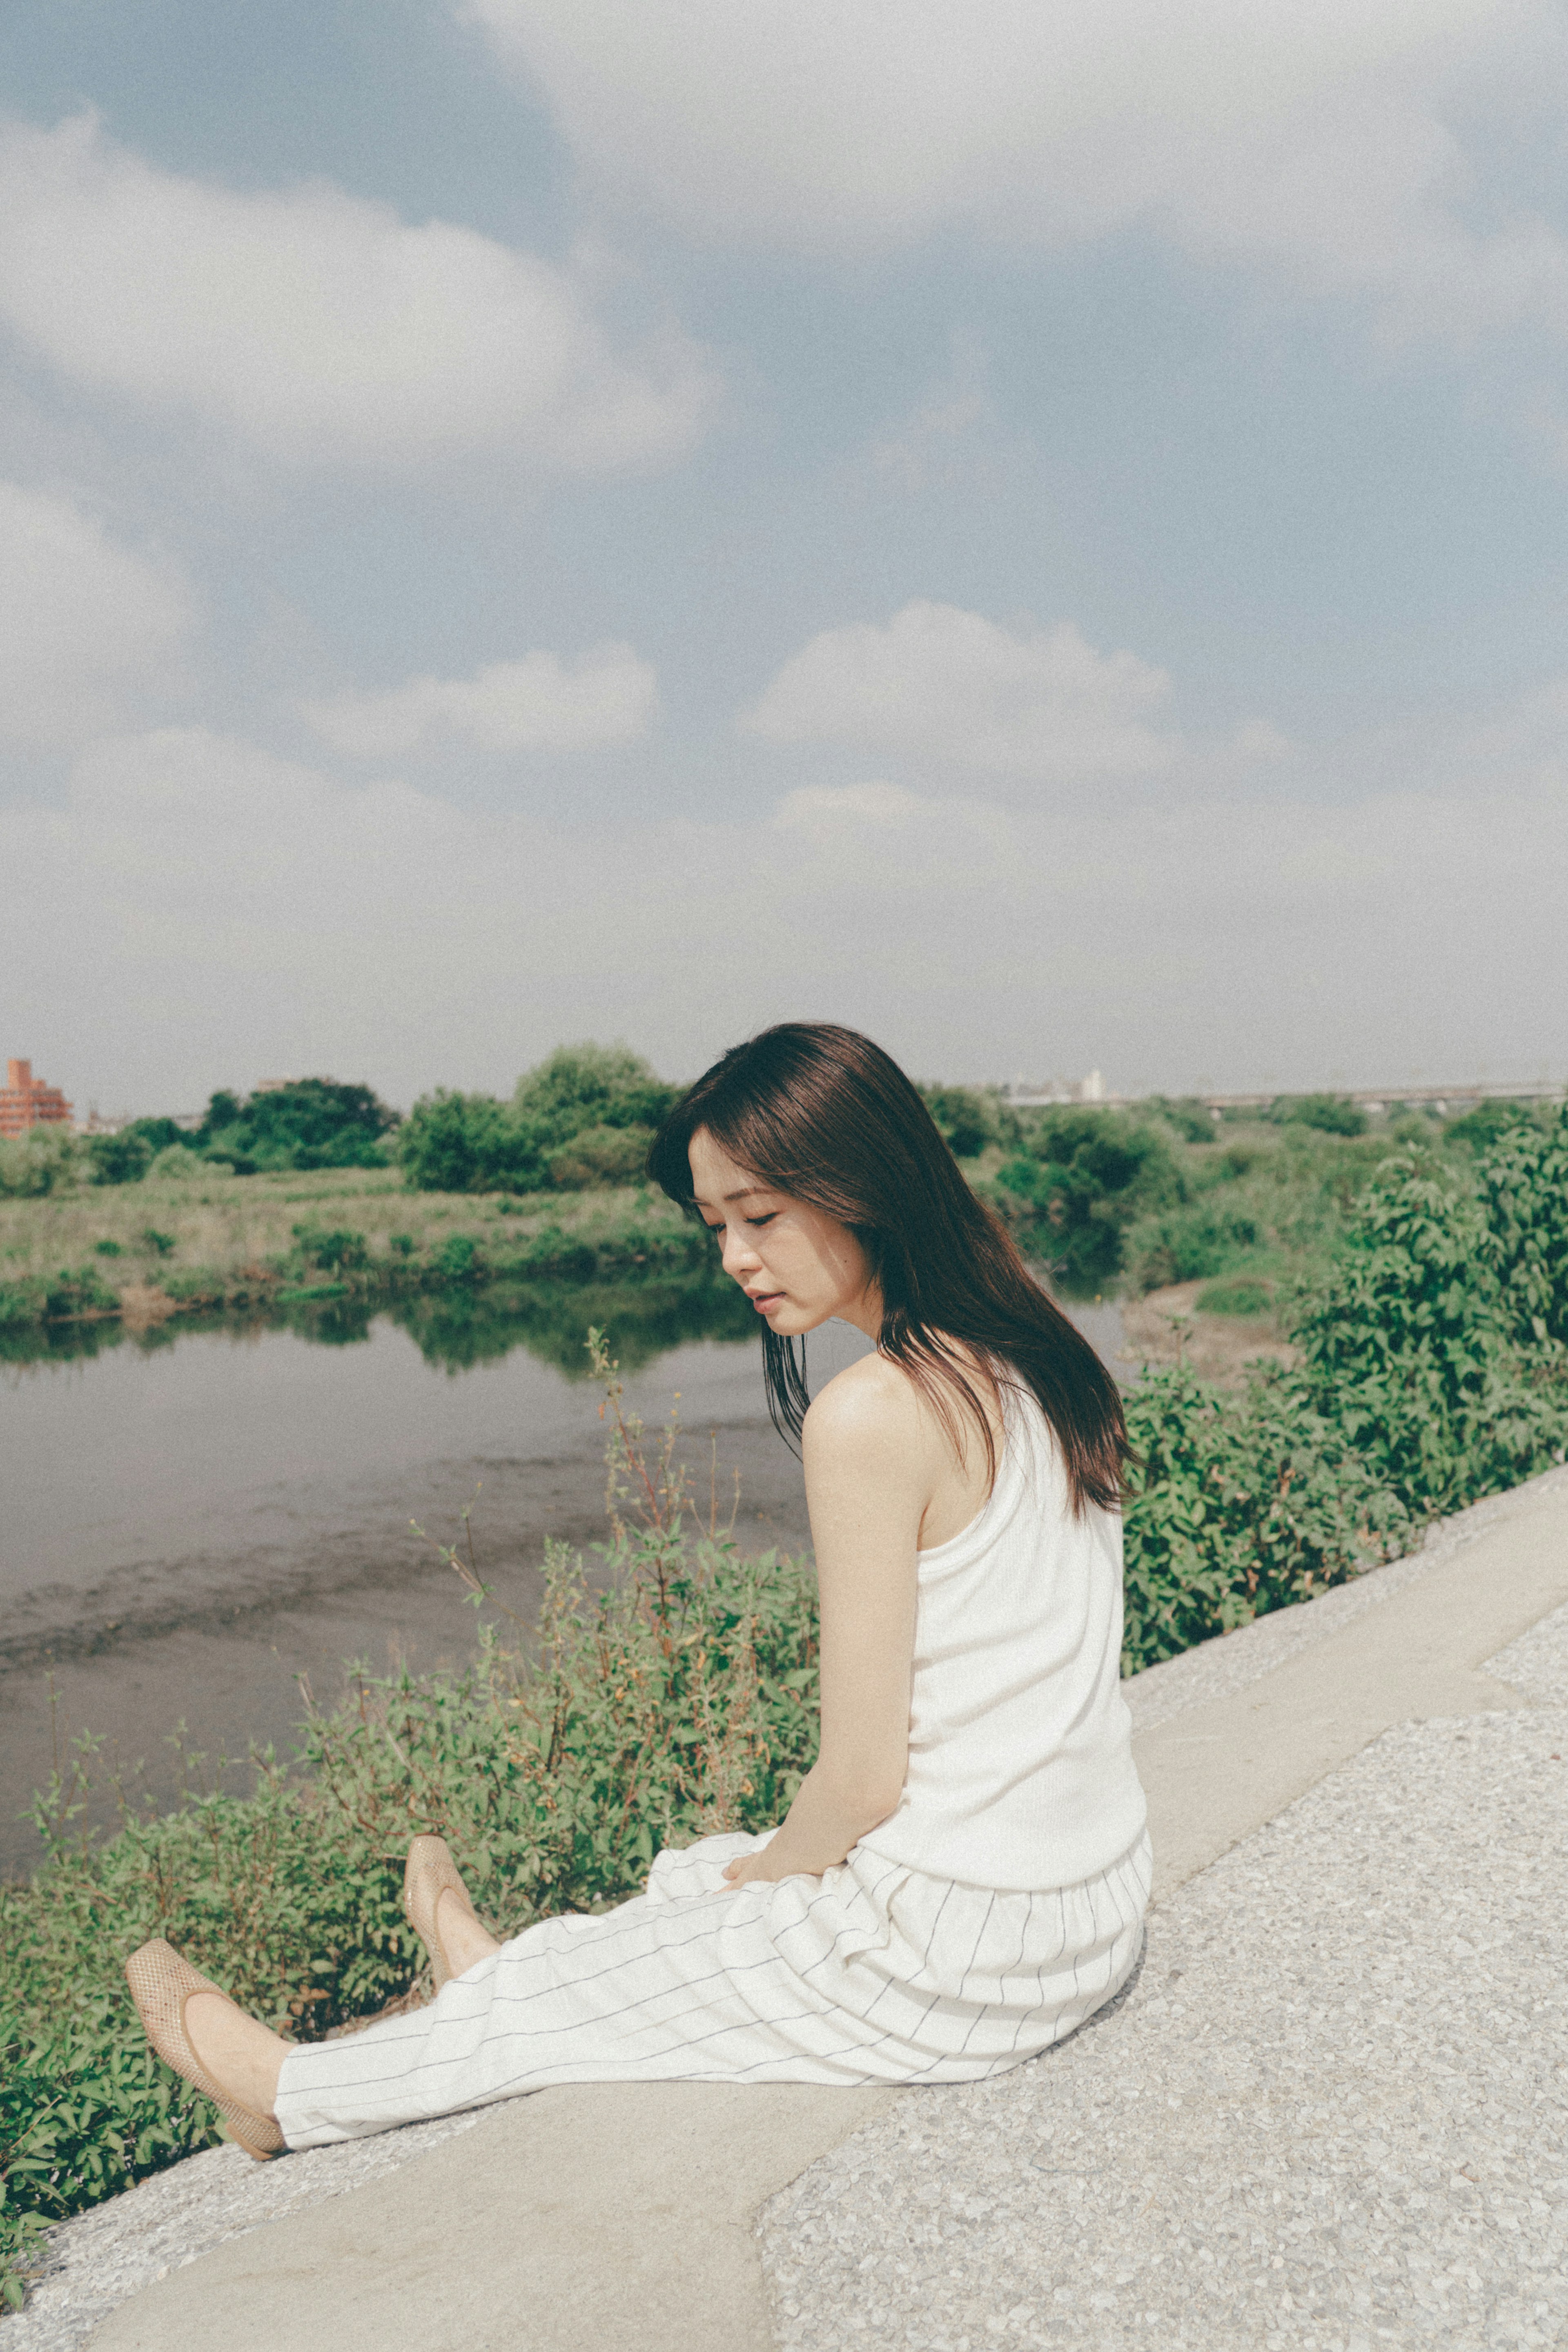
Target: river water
(192, 1524)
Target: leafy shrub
(1192, 1120)
(601, 1155)
(1523, 1182)
(122, 1158)
(1185, 1245)
(1408, 1344)
(109, 1248)
(338, 1250)
(584, 1087)
(1329, 1114)
(969, 1119)
(457, 1259)
(309, 1123)
(584, 1116)
(179, 1164)
(468, 1143)
(1241, 1503)
(161, 1244)
(1082, 1178)
(45, 1160)
(1487, 1124)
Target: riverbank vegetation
(1430, 1368)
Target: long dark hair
(822, 1114)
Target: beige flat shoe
(432, 1872)
(161, 1984)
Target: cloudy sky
(1039, 528)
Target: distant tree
(309, 1123)
(580, 1087)
(584, 1116)
(969, 1119)
(453, 1142)
(122, 1158)
(1482, 1126)
(1080, 1181)
(125, 1157)
(1192, 1120)
(1330, 1114)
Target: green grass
(215, 1240)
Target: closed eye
(765, 1219)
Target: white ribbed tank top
(1021, 1760)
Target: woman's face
(799, 1266)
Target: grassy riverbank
(209, 1239)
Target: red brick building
(26, 1101)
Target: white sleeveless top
(1020, 1760)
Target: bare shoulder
(870, 1405)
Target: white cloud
(822, 808)
(942, 686)
(202, 912)
(87, 627)
(1349, 141)
(319, 326)
(610, 695)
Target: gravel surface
(1228, 1663)
(101, 2258)
(1330, 2115)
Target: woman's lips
(763, 1299)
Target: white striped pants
(873, 1973)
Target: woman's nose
(739, 1256)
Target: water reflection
(454, 1328)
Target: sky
(1040, 530)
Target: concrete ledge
(616, 2217)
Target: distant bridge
(1453, 1095)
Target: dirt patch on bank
(1166, 1328)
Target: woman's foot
(194, 2028)
(441, 1913)
(245, 2056)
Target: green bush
(1192, 1120)
(1523, 1184)
(1241, 1503)
(1329, 1114)
(45, 1160)
(122, 1158)
(1410, 1346)
(1187, 1245)
(309, 1123)
(585, 1086)
(1080, 1180)
(969, 1118)
(469, 1143)
(601, 1155)
(337, 1250)
(585, 1117)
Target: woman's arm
(868, 1472)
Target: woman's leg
(246, 2056)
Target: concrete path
(1328, 2113)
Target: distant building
(1032, 1094)
(26, 1101)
